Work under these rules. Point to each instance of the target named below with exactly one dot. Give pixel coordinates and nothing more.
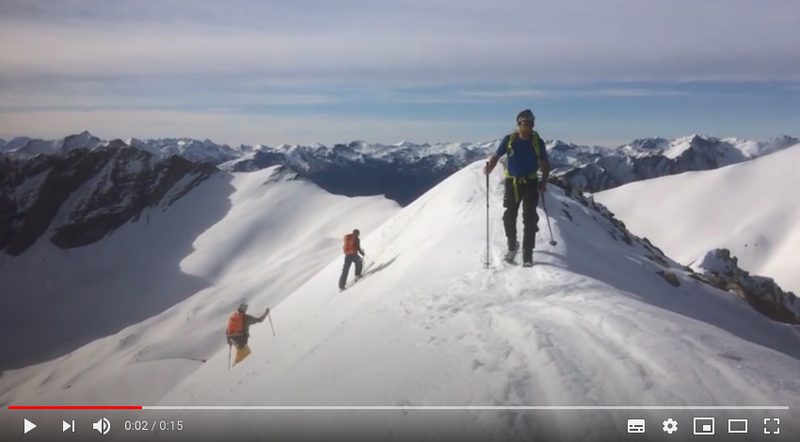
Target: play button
(28, 426)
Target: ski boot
(513, 248)
(527, 258)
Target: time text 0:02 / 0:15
(153, 425)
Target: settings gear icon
(670, 426)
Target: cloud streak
(236, 129)
(408, 41)
(560, 93)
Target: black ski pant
(348, 260)
(521, 192)
(239, 341)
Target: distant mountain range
(82, 187)
(405, 170)
(82, 194)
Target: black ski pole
(487, 219)
(270, 324)
(544, 205)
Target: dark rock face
(84, 194)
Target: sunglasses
(525, 123)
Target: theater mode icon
(737, 426)
(635, 426)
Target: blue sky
(302, 71)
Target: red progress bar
(12, 407)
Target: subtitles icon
(635, 426)
(704, 426)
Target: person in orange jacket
(238, 331)
(352, 250)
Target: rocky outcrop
(721, 270)
(717, 268)
(80, 195)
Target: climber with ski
(526, 154)
(238, 330)
(352, 250)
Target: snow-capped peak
(405, 144)
(134, 142)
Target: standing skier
(526, 154)
(352, 250)
(238, 330)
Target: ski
(351, 284)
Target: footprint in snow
(731, 356)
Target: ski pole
(270, 323)
(487, 219)
(544, 204)
(230, 349)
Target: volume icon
(103, 426)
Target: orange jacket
(352, 245)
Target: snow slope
(591, 324)
(138, 307)
(751, 208)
